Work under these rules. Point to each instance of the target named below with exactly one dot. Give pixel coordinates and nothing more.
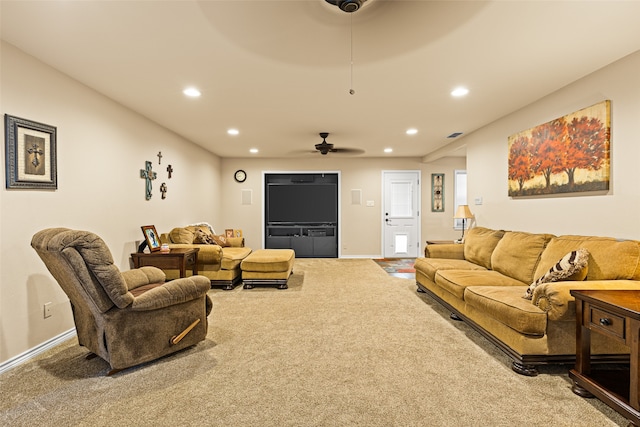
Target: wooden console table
(181, 259)
(615, 314)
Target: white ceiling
(280, 71)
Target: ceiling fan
(348, 6)
(324, 147)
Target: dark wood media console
(308, 241)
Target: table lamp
(463, 213)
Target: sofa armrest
(172, 293)
(555, 298)
(236, 242)
(142, 276)
(208, 254)
(448, 251)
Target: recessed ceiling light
(388, 150)
(191, 92)
(233, 131)
(253, 150)
(460, 91)
(412, 131)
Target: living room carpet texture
(345, 345)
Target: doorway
(401, 214)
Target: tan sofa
(220, 264)
(484, 280)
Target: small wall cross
(159, 157)
(35, 150)
(149, 176)
(170, 170)
(163, 190)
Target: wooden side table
(180, 258)
(615, 314)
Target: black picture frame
(30, 154)
(151, 237)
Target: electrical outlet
(47, 310)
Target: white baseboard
(31, 353)
(362, 256)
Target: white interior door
(401, 215)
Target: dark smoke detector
(348, 6)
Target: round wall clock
(240, 175)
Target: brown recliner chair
(127, 318)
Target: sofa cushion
(455, 281)
(430, 266)
(232, 257)
(182, 235)
(609, 258)
(506, 305)
(572, 266)
(479, 245)
(517, 254)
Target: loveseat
(513, 288)
(219, 257)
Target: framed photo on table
(30, 154)
(151, 237)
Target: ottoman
(267, 267)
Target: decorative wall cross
(149, 176)
(159, 157)
(170, 170)
(35, 150)
(163, 190)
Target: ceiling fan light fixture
(348, 6)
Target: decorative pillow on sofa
(202, 237)
(220, 240)
(572, 266)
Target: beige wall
(614, 214)
(101, 149)
(361, 226)
(102, 146)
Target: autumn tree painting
(566, 155)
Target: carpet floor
(345, 345)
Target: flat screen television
(302, 203)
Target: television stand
(307, 240)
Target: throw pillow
(221, 240)
(203, 238)
(572, 266)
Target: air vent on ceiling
(455, 135)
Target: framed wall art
(437, 192)
(570, 154)
(30, 154)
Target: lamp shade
(463, 212)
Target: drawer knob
(605, 322)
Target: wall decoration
(149, 176)
(437, 192)
(159, 157)
(151, 238)
(163, 190)
(169, 171)
(30, 154)
(570, 154)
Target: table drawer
(609, 323)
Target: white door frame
(419, 210)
